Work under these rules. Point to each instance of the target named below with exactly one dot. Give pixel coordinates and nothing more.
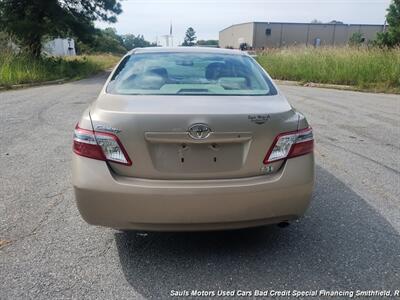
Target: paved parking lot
(348, 240)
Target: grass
(364, 69)
(17, 69)
(373, 69)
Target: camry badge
(107, 129)
(259, 119)
(199, 131)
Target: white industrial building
(259, 35)
(60, 47)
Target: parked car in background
(191, 139)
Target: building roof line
(238, 24)
(294, 23)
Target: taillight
(99, 145)
(290, 144)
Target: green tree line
(390, 38)
(108, 41)
(31, 22)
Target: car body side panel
(85, 121)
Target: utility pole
(170, 34)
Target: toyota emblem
(199, 131)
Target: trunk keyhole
(214, 147)
(215, 159)
(182, 160)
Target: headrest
(233, 83)
(215, 70)
(158, 71)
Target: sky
(152, 18)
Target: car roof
(187, 50)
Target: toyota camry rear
(191, 139)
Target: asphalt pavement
(348, 240)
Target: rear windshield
(172, 73)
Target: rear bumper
(106, 199)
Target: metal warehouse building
(260, 35)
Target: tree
(316, 21)
(32, 20)
(131, 41)
(190, 37)
(335, 22)
(108, 40)
(356, 39)
(391, 37)
(4, 41)
(207, 42)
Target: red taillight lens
(85, 144)
(290, 144)
(99, 145)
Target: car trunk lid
(156, 133)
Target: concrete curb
(51, 82)
(318, 85)
(331, 86)
(32, 84)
